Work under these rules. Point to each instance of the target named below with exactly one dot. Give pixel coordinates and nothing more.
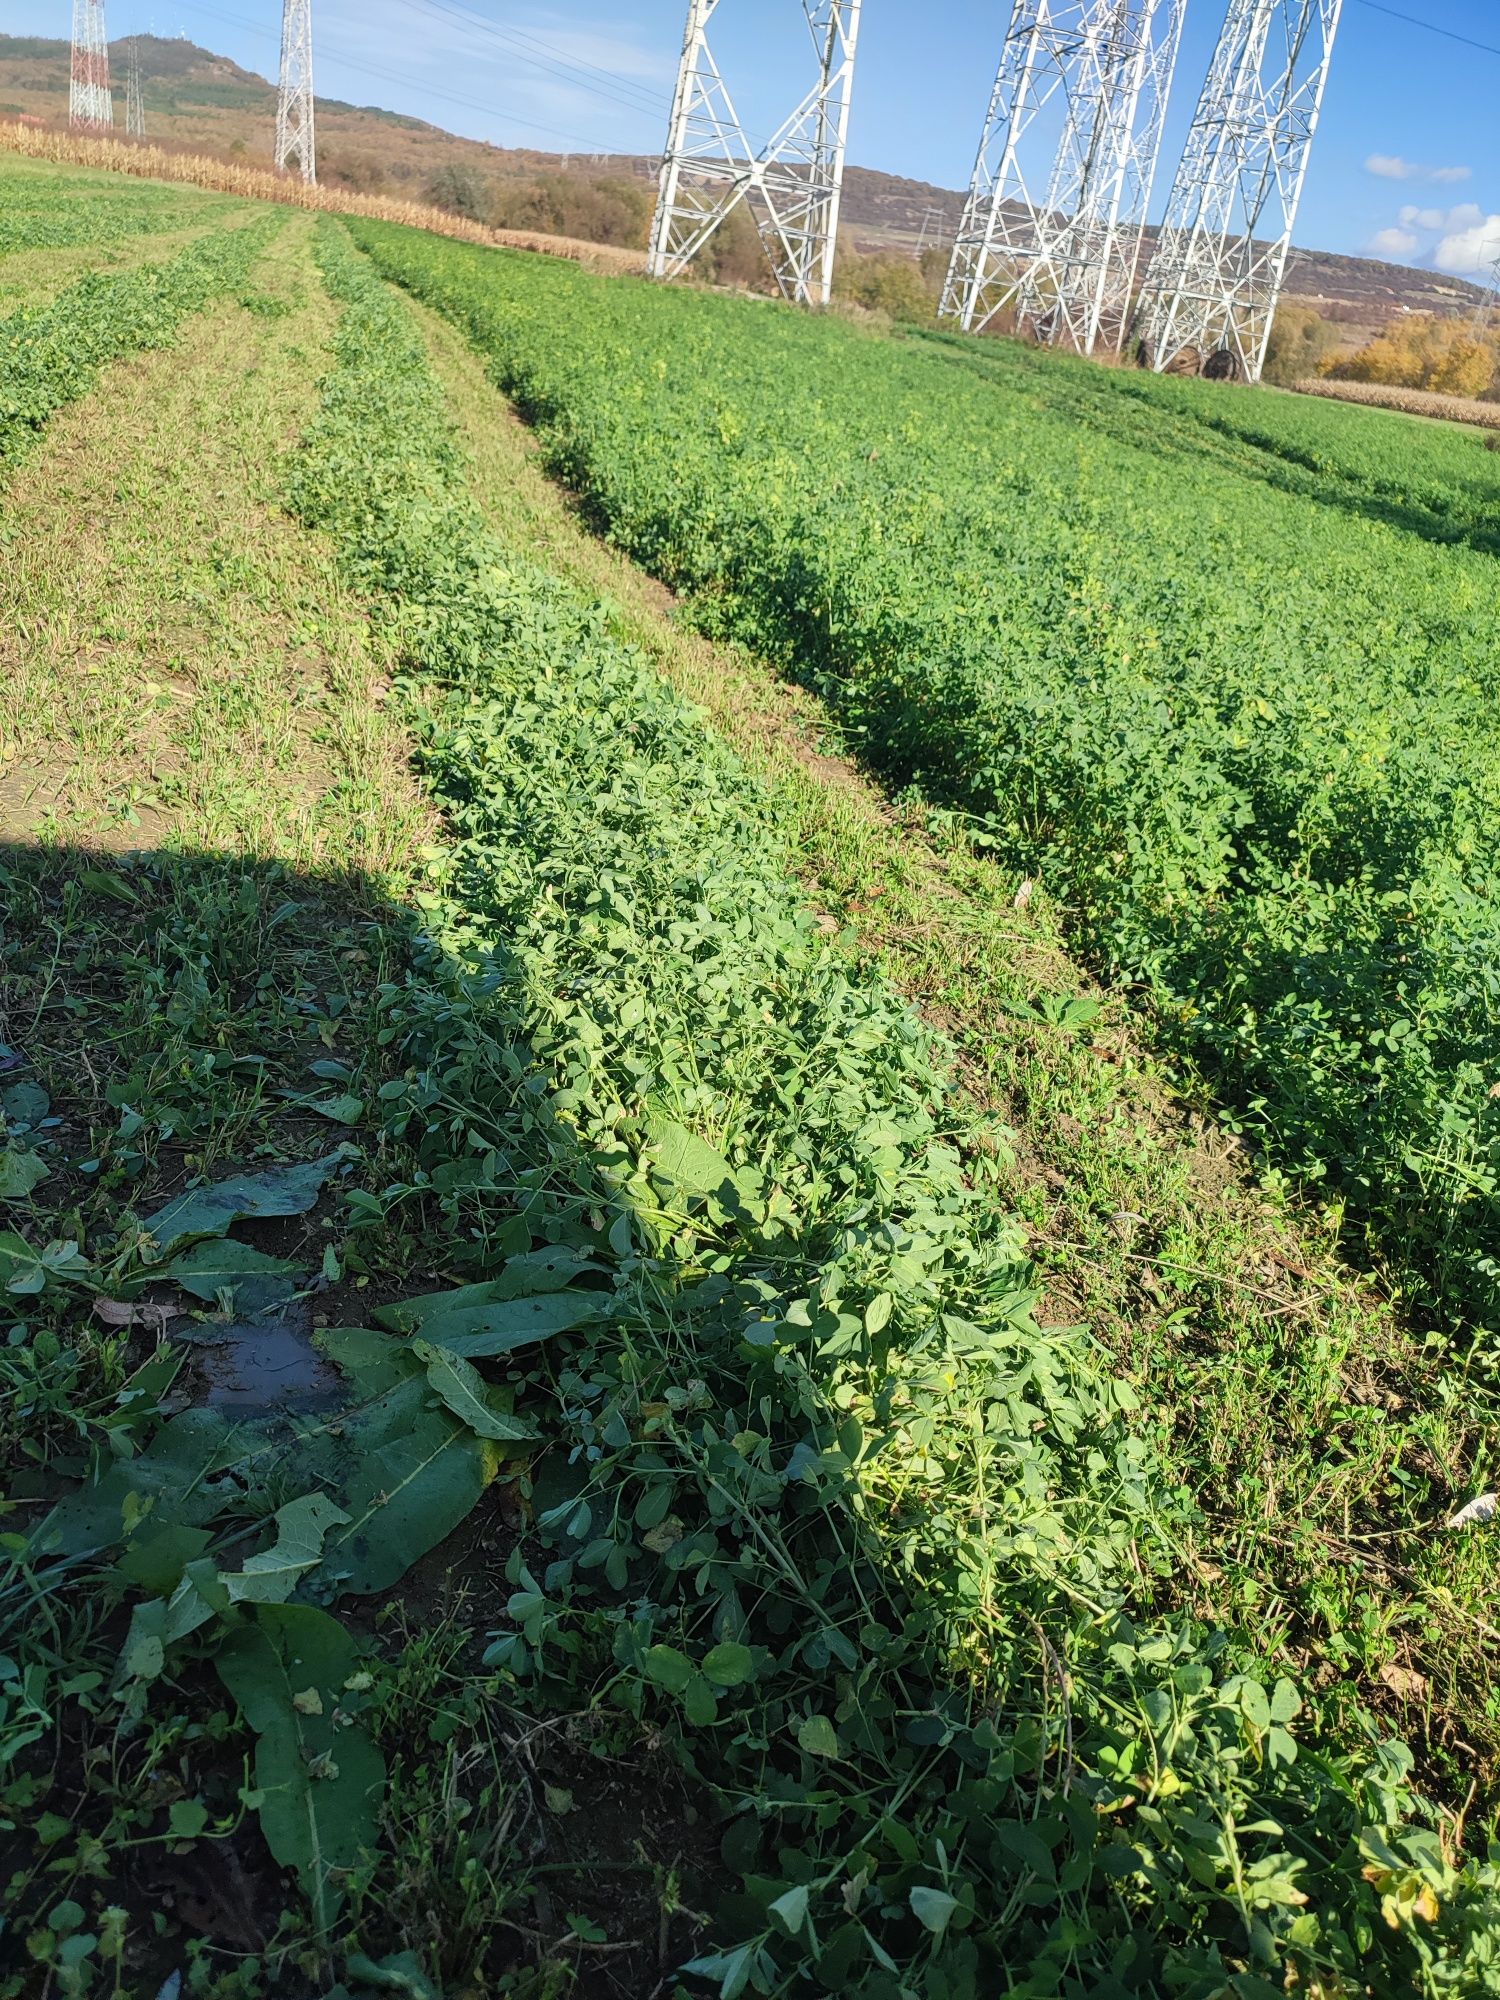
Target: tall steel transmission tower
(1211, 290)
(296, 142)
(90, 105)
(1052, 226)
(792, 185)
(135, 96)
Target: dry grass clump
(1413, 402)
(258, 184)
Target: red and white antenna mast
(90, 106)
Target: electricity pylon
(296, 142)
(1489, 302)
(1052, 226)
(792, 186)
(90, 106)
(1212, 287)
(135, 96)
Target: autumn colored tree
(1301, 344)
(1419, 351)
(593, 208)
(887, 281)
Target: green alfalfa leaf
(933, 1908)
(790, 1910)
(462, 1389)
(21, 1270)
(19, 1173)
(818, 1737)
(700, 1704)
(320, 1781)
(668, 1668)
(729, 1665)
(1285, 1701)
(187, 1818)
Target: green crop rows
(812, 1353)
(50, 356)
(656, 1212)
(1437, 480)
(1249, 732)
(49, 213)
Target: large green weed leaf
(213, 1211)
(406, 1474)
(178, 1480)
(688, 1160)
(320, 1784)
(483, 1332)
(272, 1577)
(532, 1274)
(218, 1265)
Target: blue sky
(1407, 164)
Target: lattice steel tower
(1212, 286)
(135, 96)
(90, 105)
(792, 186)
(1052, 226)
(296, 143)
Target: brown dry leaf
(1404, 1681)
(115, 1312)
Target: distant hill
(204, 102)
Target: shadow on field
(167, 1020)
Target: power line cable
(575, 139)
(552, 60)
(572, 71)
(1414, 21)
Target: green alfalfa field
(749, 1178)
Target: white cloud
(1393, 243)
(1391, 167)
(1423, 218)
(1471, 251)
